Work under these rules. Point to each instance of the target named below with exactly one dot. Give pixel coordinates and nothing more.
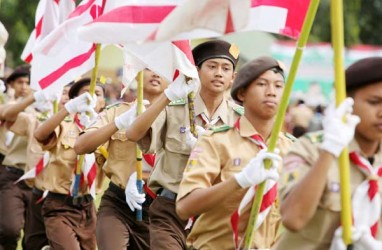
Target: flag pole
(336, 16)
(191, 110)
(301, 43)
(92, 86)
(138, 151)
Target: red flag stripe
(81, 9)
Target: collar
(221, 111)
(353, 146)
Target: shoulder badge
(68, 119)
(112, 105)
(290, 136)
(239, 109)
(221, 128)
(315, 137)
(177, 102)
(42, 117)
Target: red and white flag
(49, 14)
(40, 166)
(90, 172)
(177, 54)
(62, 56)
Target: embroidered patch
(334, 187)
(236, 162)
(182, 130)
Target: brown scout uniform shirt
(216, 158)
(168, 139)
(63, 158)
(25, 125)
(122, 159)
(3, 128)
(319, 231)
(16, 155)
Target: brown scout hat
(215, 49)
(252, 70)
(363, 72)
(78, 85)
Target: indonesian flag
(139, 21)
(3, 40)
(49, 14)
(177, 54)
(41, 165)
(61, 56)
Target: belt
(121, 193)
(167, 193)
(14, 170)
(71, 201)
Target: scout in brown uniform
(226, 162)
(14, 198)
(24, 124)
(216, 61)
(117, 227)
(312, 217)
(70, 223)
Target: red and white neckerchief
(89, 172)
(150, 159)
(78, 122)
(366, 200)
(207, 122)
(40, 166)
(269, 196)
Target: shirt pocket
(67, 149)
(119, 146)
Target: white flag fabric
(3, 54)
(140, 21)
(49, 14)
(90, 172)
(61, 57)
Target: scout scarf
(269, 196)
(40, 166)
(366, 202)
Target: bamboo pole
(138, 151)
(301, 43)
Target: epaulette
(112, 105)
(42, 117)
(68, 118)
(315, 137)
(239, 109)
(177, 102)
(221, 128)
(290, 136)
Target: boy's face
(153, 83)
(262, 97)
(368, 106)
(216, 75)
(21, 86)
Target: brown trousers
(34, 231)
(69, 226)
(166, 228)
(117, 227)
(14, 201)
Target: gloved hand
(87, 118)
(337, 241)
(180, 89)
(367, 241)
(337, 132)
(82, 103)
(133, 197)
(190, 138)
(255, 173)
(124, 120)
(2, 87)
(40, 96)
(43, 106)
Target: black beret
(215, 49)
(18, 73)
(78, 85)
(363, 72)
(251, 71)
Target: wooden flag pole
(336, 16)
(301, 43)
(138, 151)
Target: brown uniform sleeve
(153, 140)
(203, 167)
(21, 125)
(104, 118)
(52, 140)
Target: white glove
(82, 103)
(337, 241)
(337, 132)
(255, 173)
(366, 241)
(87, 118)
(133, 197)
(2, 87)
(124, 120)
(180, 89)
(43, 106)
(190, 138)
(39, 96)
